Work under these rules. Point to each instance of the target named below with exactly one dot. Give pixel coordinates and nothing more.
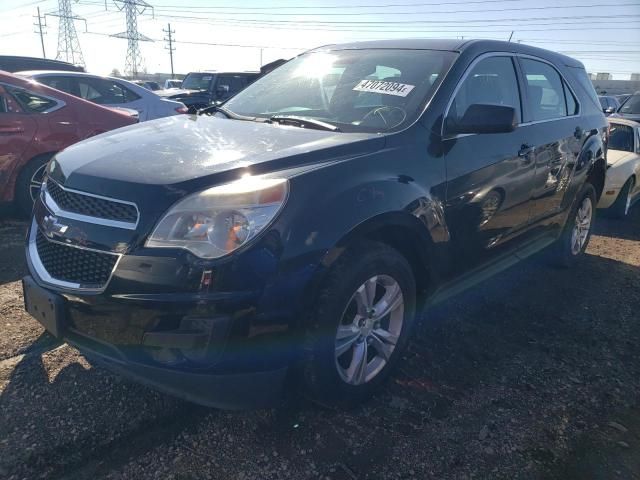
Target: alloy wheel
(35, 182)
(369, 329)
(627, 204)
(581, 226)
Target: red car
(36, 122)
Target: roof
(34, 73)
(455, 45)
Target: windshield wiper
(303, 122)
(227, 113)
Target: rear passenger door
(489, 176)
(554, 132)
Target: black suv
(202, 89)
(295, 232)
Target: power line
(68, 44)
(169, 39)
(132, 9)
(40, 31)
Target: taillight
(182, 109)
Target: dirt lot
(535, 374)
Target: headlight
(217, 221)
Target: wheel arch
(400, 230)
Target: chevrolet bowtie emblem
(51, 227)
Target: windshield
(198, 81)
(632, 105)
(356, 90)
(620, 137)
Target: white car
(622, 187)
(109, 91)
(172, 83)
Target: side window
(59, 83)
(492, 81)
(105, 92)
(545, 90)
(572, 103)
(229, 85)
(32, 102)
(621, 137)
(7, 103)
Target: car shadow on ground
(504, 377)
(619, 228)
(12, 254)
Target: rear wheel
(622, 205)
(29, 182)
(577, 231)
(360, 325)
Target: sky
(234, 35)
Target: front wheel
(577, 231)
(622, 205)
(360, 325)
(29, 182)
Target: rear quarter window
(585, 87)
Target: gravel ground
(534, 374)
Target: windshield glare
(356, 90)
(632, 105)
(197, 81)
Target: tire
(574, 241)
(620, 208)
(28, 183)
(331, 378)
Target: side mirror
(481, 118)
(609, 110)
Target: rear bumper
(227, 391)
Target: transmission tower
(68, 45)
(133, 8)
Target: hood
(174, 92)
(628, 116)
(187, 152)
(618, 156)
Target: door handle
(525, 150)
(578, 133)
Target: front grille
(75, 265)
(91, 206)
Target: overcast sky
(603, 34)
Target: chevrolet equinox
(292, 234)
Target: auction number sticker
(388, 88)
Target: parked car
(36, 122)
(201, 89)
(609, 104)
(295, 232)
(622, 188)
(172, 83)
(630, 109)
(12, 63)
(109, 91)
(148, 84)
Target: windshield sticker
(388, 88)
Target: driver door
(489, 176)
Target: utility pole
(169, 40)
(132, 8)
(39, 31)
(68, 44)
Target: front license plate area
(44, 306)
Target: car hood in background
(619, 156)
(181, 148)
(175, 92)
